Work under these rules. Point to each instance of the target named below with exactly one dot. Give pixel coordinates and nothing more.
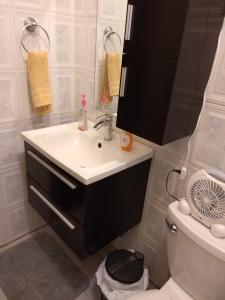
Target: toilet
(196, 262)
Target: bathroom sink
(83, 149)
(85, 155)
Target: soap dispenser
(83, 124)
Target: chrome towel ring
(31, 25)
(108, 33)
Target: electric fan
(205, 200)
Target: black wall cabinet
(169, 50)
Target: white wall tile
(30, 4)
(155, 226)
(62, 33)
(156, 260)
(81, 42)
(6, 40)
(5, 2)
(2, 228)
(10, 146)
(177, 148)
(17, 221)
(64, 118)
(38, 123)
(35, 220)
(92, 7)
(12, 186)
(110, 10)
(81, 7)
(8, 98)
(63, 91)
(210, 143)
(24, 96)
(62, 6)
(91, 44)
(216, 88)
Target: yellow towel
(113, 73)
(110, 82)
(38, 75)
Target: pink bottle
(83, 124)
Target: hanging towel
(113, 73)
(38, 75)
(110, 82)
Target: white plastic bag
(114, 290)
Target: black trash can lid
(125, 266)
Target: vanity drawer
(81, 240)
(65, 226)
(63, 190)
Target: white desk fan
(205, 200)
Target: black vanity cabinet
(87, 217)
(169, 50)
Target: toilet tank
(196, 258)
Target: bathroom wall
(71, 25)
(207, 151)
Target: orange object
(126, 141)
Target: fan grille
(208, 198)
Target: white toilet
(196, 262)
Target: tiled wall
(72, 28)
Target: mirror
(111, 16)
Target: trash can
(122, 273)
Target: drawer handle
(130, 10)
(43, 199)
(53, 171)
(123, 82)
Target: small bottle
(126, 141)
(83, 124)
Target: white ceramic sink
(85, 155)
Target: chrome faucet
(106, 122)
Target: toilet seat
(170, 291)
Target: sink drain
(99, 145)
